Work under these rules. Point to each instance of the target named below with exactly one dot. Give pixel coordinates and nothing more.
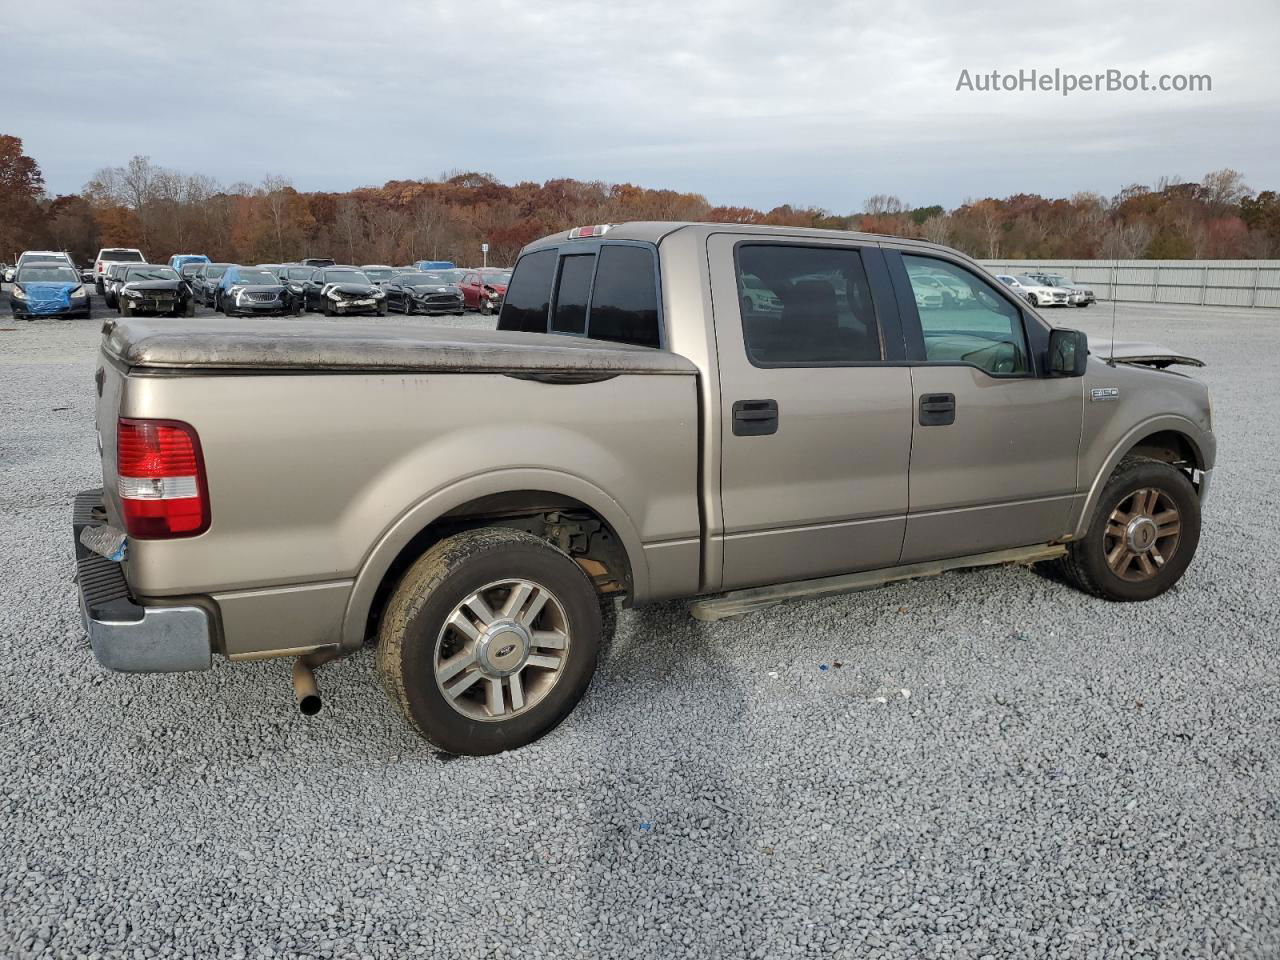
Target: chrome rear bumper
(124, 635)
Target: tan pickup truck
(730, 413)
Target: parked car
(180, 260)
(1012, 283)
(43, 256)
(379, 273)
(253, 291)
(295, 277)
(7, 272)
(1040, 294)
(342, 291)
(204, 283)
(428, 293)
(483, 290)
(483, 498)
(1077, 295)
(110, 280)
(318, 262)
(42, 289)
(433, 266)
(152, 289)
(108, 255)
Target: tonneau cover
(259, 344)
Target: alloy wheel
(1142, 534)
(501, 650)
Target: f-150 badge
(1104, 393)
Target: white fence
(1223, 283)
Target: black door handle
(937, 409)
(755, 418)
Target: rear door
(995, 441)
(816, 408)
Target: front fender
(433, 507)
(1202, 443)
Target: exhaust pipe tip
(305, 691)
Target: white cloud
(756, 102)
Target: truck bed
(278, 344)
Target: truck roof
(260, 344)
(655, 231)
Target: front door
(994, 440)
(816, 408)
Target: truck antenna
(1115, 267)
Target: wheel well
(563, 521)
(1171, 447)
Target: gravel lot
(985, 764)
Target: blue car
(426, 266)
(48, 290)
(179, 260)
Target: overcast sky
(750, 102)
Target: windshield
(1057, 280)
(499, 279)
(379, 273)
(450, 276)
(1029, 281)
(189, 269)
(344, 276)
(215, 270)
(300, 273)
(151, 273)
(424, 280)
(257, 276)
(39, 274)
(130, 255)
(42, 258)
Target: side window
(964, 319)
(624, 301)
(529, 293)
(569, 315)
(806, 306)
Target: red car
(483, 290)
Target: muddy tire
(1142, 536)
(489, 640)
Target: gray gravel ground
(988, 765)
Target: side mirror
(1068, 353)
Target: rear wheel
(490, 640)
(1143, 534)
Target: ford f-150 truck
(724, 412)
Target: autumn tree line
(164, 211)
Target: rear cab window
(606, 291)
(806, 306)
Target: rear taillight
(161, 479)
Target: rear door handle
(755, 418)
(937, 409)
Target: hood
(47, 291)
(423, 289)
(363, 289)
(151, 284)
(258, 287)
(1146, 354)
